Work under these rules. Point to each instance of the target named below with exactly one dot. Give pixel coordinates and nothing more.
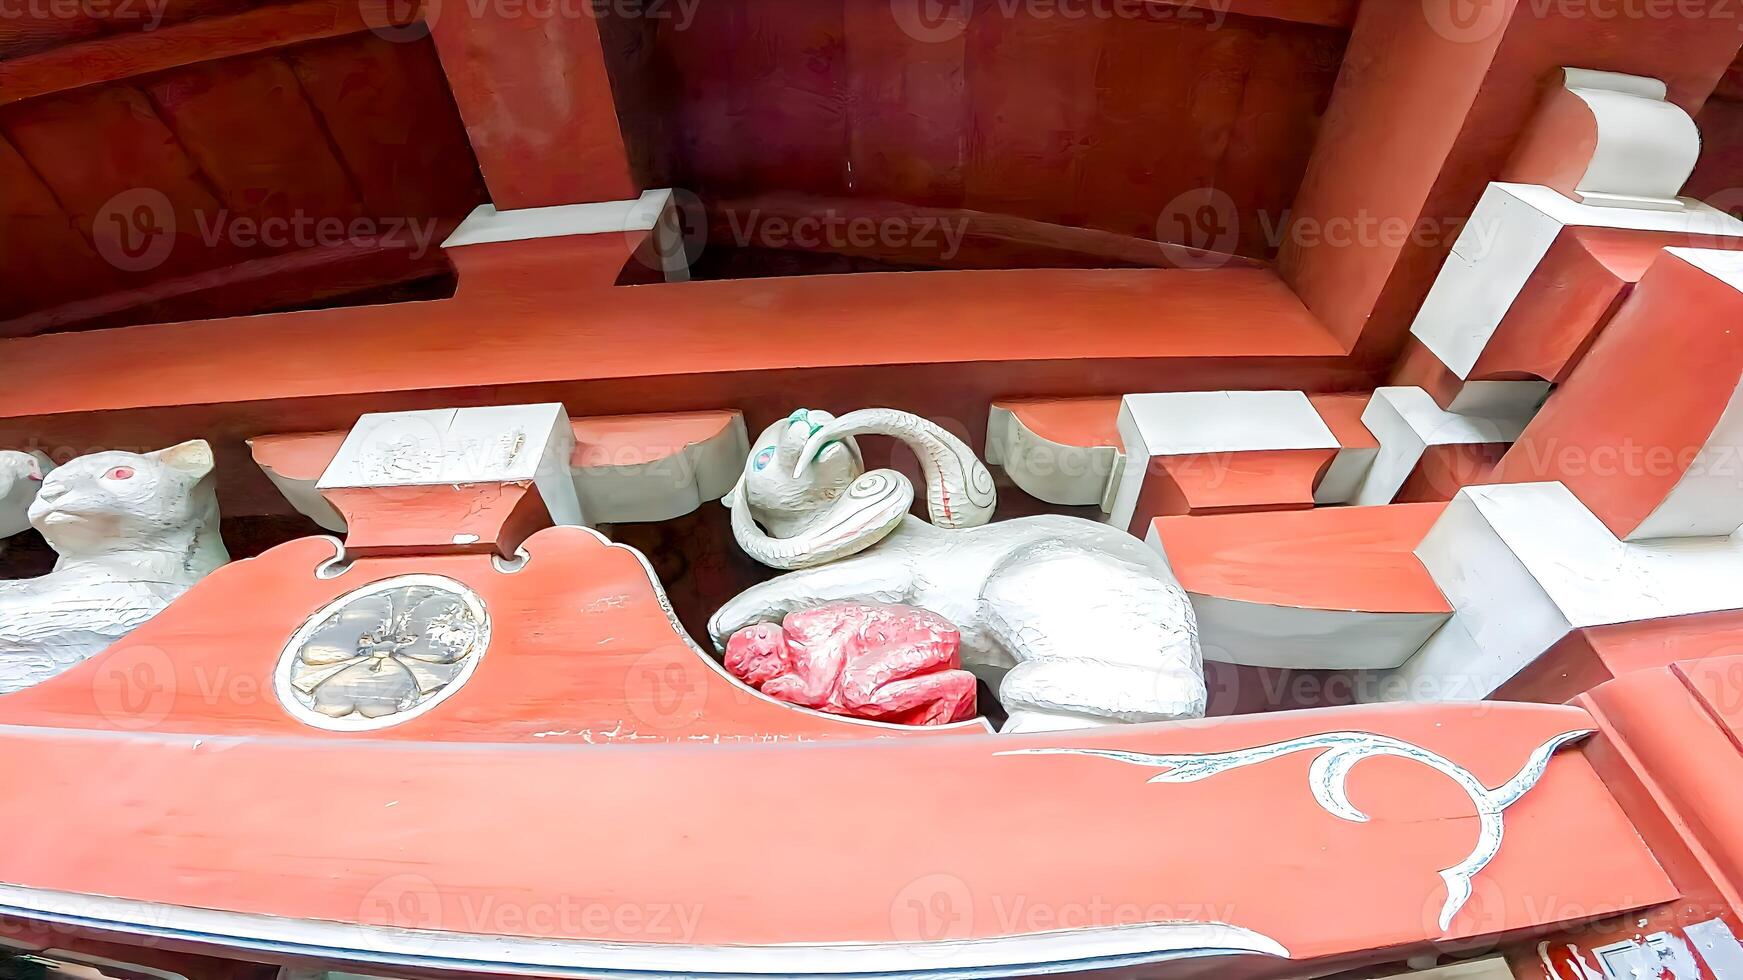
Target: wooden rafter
(120, 56)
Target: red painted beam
(537, 102)
(520, 316)
(1429, 103)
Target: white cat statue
(134, 531)
(20, 477)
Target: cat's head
(113, 502)
(20, 477)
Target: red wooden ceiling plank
(1289, 79)
(386, 106)
(41, 29)
(537, 102)
(1028, 81)
(710, 151)
(157, 14)
(124, 177)
(44, 259)
(255, 136)
(771, 79)
(1166, 94)
(797, 103)
(290, 279)
(1325, 13)
(953, 238)
(118, 56)
(908, 98)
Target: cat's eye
(763, 457)
(119, 473)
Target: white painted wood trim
(658, 490)
(1265, 635)
(1066, 950)
(1406, 421)
(486, 224)
(1054, 472)
(1523, 564)
(1647, 146)
(1344, 476)
(1505, 239)
(1708, 498)
(1178, 423)
(662, 489)
(445, 447)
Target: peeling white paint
(1716, 944)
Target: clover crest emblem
(383, 653)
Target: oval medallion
(382, 654)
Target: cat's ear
(193, 457)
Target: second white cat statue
(20, 477)
(134, 531)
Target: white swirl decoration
(1329, 777)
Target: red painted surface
(1445, 469)
(467, 818)
(335, 130)
(1327, 558)
(1668, 754)
(473, 518)
(901, 234)
(631, 440)
(1342, 414)
(1591, 656)
(1572, 294)
(1074, 121)
(581, 651)
(1622, 455)
(604, 440)
(135, 52)
(1068, 421)
(866, 660)
(1223, 483)
(961, 339)
(533, 90)
(1557, 145)
(1428, 108)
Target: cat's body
(133, 531)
